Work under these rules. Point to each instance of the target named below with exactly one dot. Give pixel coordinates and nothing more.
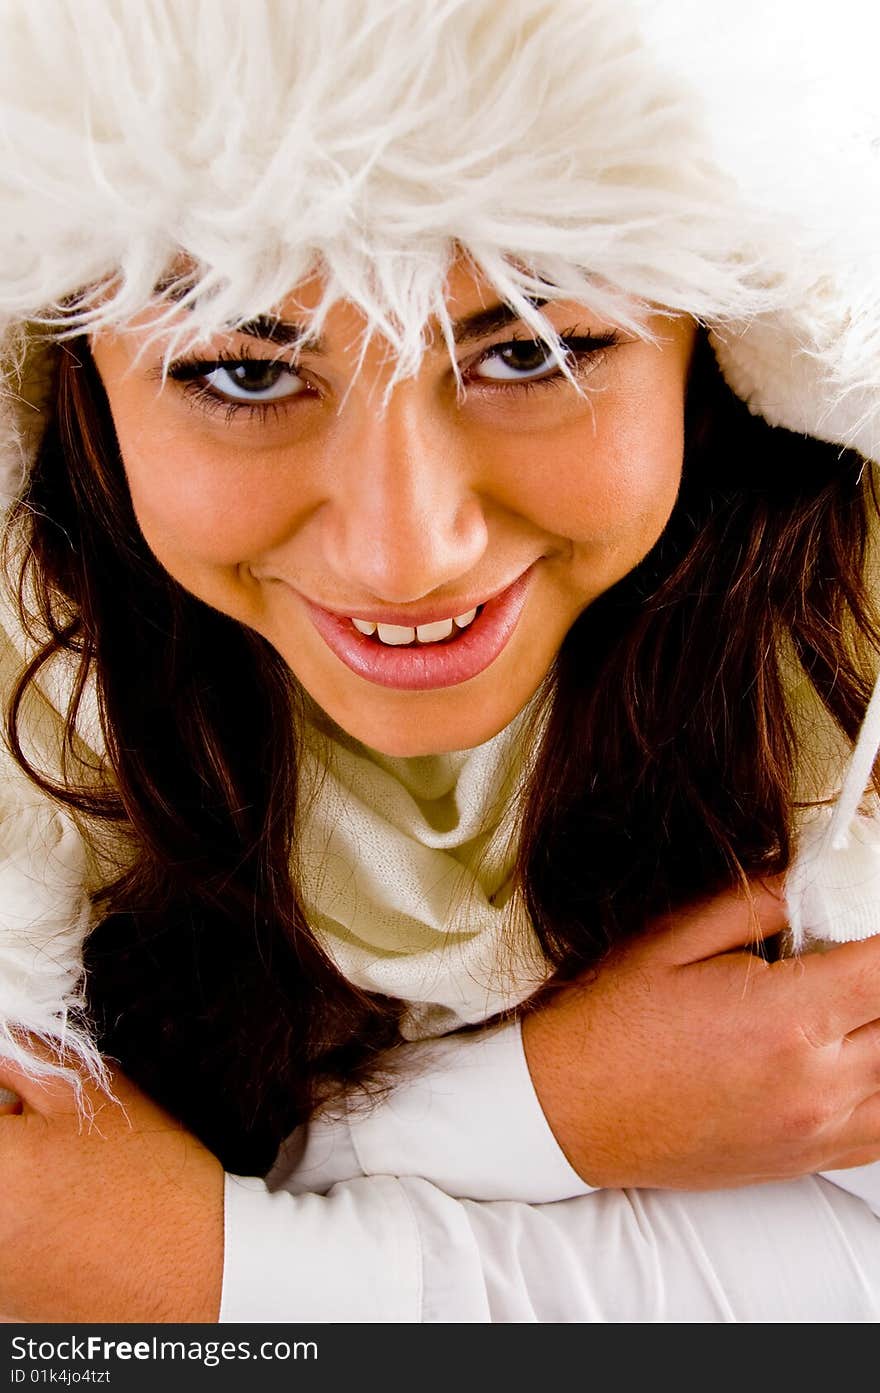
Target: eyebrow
(484, 322)
(468, 329)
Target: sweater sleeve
(461, 1111)
(383, 1250)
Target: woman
(366, 531)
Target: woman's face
(274, 489)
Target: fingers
(842, 987)
(867, 1041)
(718, 925)
(862, 1133)
(856, 1071)
(864, 1156)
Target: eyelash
(189, 373)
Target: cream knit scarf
(406, 870)
(406, 866)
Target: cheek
(203, 508)
(630, 497)
(614, 480)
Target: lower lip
(426, 667)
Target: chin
(420, 732)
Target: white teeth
(432, 633)
(396, 633)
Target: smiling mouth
(438, 653)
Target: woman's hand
(686, 1064)
(116, 1220)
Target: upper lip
(412, 619)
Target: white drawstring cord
(857, 775)
(832, 888)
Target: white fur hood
(721, 159)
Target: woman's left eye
(532, 360)
(513, 361)
(252, 380)
(231, 385)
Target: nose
(405, 518)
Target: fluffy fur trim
(45, 916)
(716, 159)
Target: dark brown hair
(665, 771)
